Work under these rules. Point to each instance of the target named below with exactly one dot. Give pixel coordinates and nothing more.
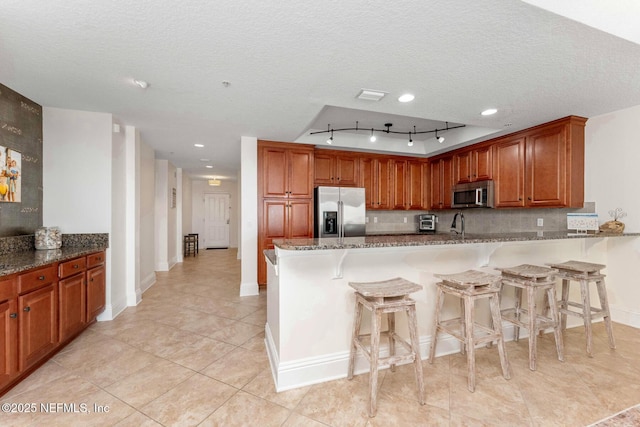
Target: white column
(249, 215)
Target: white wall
(165, 216)
(198, 191)
(187, 205)
(611, 177)
(146, 200)
(118, 239)
(78, 166)
(249, 215)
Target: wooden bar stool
(470, 286)
(196, 236)
(189, 245)
(584, 273)
(532, 279)
(389, 296)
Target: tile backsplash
(477, 220)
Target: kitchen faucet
(453, 224)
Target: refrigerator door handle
(340, 219)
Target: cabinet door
(96, 292)
(481, 164)
(367, 167)
(417, 185)
(347, 168)
(508, 173)
(462, 167)
(546, 172)
(8, 341)
(400, 190)
(37, 324)
(447, 181)
(300, 181)
(299, 219)
(323, 165)
(72, 305)
(384, 183)
(274, 172)
(435, 181)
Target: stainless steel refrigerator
(339, 212)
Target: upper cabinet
(542, 166)
(473, 165)
(286, 170)
(376, 176)
(441, 178)
(336, 168)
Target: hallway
(192, 353)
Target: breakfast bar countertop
(391, 240)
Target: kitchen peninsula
(310, 305)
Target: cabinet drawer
(36, 279)
(72, 267)
(95, 259)
(8, 289)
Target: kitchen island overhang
(310, 305)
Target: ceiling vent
(371, 95)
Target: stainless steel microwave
(477, 194)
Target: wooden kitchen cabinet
(285, 196)
(72, 302)
(441, 182)
(286, 170)
(37, 324)
(335, 168)
(283, 219)
(96, 285)
(541, 167)
(417, 184)
(8, 331)
(376, 176)
(473, 165)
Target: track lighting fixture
(387, 129)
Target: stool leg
(376, 320)
(497, 322)
(533, 327)
(604, 305)
(564, 304)
(436, 324)
(553, 314)
(415, 348)
(468, 315)
(357, 318)
(586, 314)
(518, 301)
(463, 325)
(391, 321)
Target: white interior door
(216, 220)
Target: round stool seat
(387, 288)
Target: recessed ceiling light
(198, 145)
(407, 97)
(209, 167)
(141, 83)
(489, 111)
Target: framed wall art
(10, 175)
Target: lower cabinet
(38, 324)
(43, 309)
(8, 340)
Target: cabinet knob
(91, 280)
(13, 315)
(520, 199)
(27, 309)
(528, 198)
(40, 277)
(76, 266)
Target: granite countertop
(392, 240)
(17, 262)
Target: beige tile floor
(192, 353)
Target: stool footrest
(482, 334)
(595, 312)
(522, 318)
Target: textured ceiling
(290, 62)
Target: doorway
(216, 220)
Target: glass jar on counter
(48, 238)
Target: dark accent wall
(21, 130)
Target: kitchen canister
(48, 238)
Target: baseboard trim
(249, 289)
(626, 317)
